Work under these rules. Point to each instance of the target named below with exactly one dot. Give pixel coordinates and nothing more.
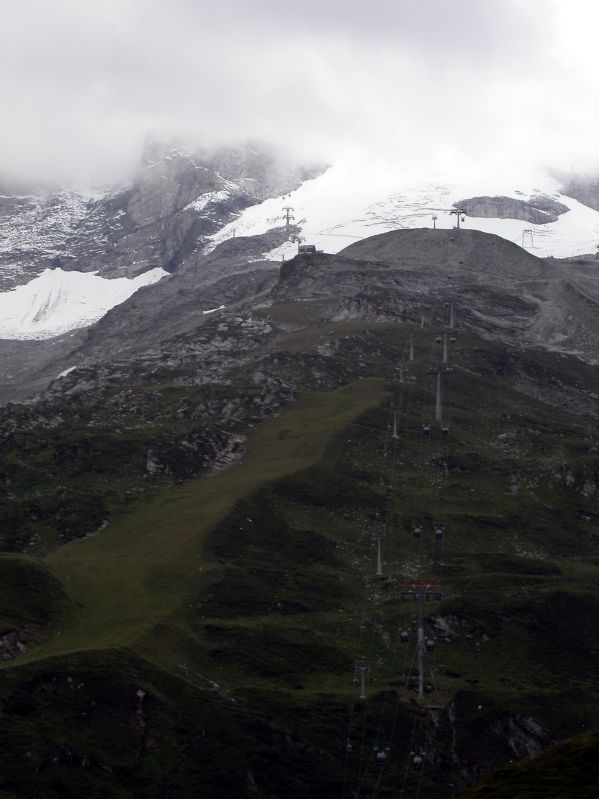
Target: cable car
(438, 339)
(381, 754)
(417, 531)
(348, 746)
(417, 761)
(439, 533)
(404, 636)
(445, 430)
(426, 429)
(430, 645)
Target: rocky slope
(177, 199)
(504, 292)
(197, 618)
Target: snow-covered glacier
(353, 201)
(58, 301)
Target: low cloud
(426, 85)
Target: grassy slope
(142, 567)
(30, 595)
(567, 770)
(276, 601)
(129, 589)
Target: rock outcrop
(585, 189)
(177, 200)
(539, 210)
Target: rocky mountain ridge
(506, 294)
(177, 199)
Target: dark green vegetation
(203, 643)
(92, 462)
(567, 769)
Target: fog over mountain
(446, 85)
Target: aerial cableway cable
(432, 471)
(387, 488)
(437, 567)
(439, 483)
(404, 411)
(408, 681)
(367, 647)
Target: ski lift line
(428, 747)
(386, 447)
(427, 741)
(363, 769)
(412, 741)
(362, 743)
(347, 754)
(382, 524)
(391, 483)
(441, 487)
(375, 622)
(408, 680)
(367, 588)
(391, 466)
(379, 735)
(349, 736)
(377, 741)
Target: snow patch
(57, 301)
(200, 203)
(66, 372)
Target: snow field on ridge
(346, 204)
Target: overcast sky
(431, 82)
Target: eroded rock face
(486, 737)
(538, 210)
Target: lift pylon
(421, 593)
(438, 404)
(288, 216)
(460, 214)
(362, 667)
(379, 555)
